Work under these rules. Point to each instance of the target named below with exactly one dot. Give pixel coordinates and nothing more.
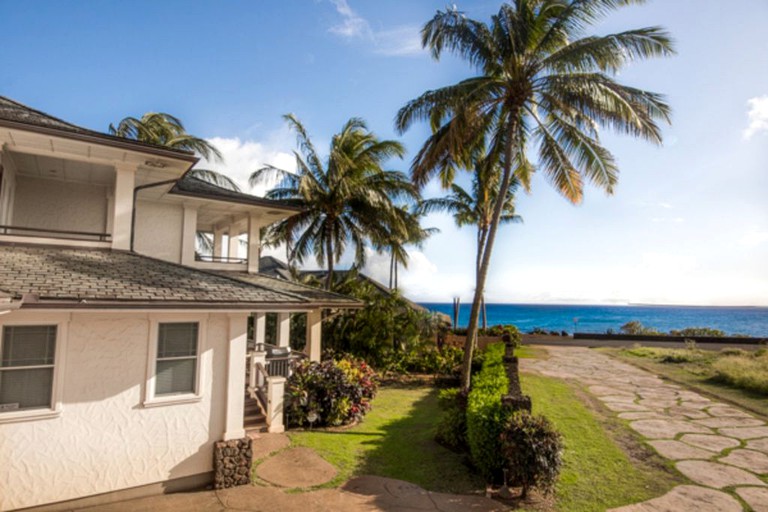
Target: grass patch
(597, 473)
(531, 352)
(732, 375)
(396, 440)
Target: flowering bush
(330, 393)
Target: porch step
(254, 417)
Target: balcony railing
(55, 233)
(218, 259)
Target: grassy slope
(396, 440)
(697, 376)
(597, 473)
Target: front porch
(269, 359)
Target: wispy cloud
(754, 238)
(352, 25)
(757, 115)
(403, 40)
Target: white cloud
(351, 24)
(758, 116)
(242, 157)
(402, 40)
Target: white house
(123, 353)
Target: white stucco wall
(105, 439)
(159, 229)
(63, 205)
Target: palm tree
(407, 231)
(164, 130)
(540, 83)
(347, 200)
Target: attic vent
(157, 164)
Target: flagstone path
(719, 447)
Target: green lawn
(396, 440)
(698, 369)
(598, 474)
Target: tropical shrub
(452, 429)
(698, 331)
(423, 357)
(635, 327)
(333, 392)
(532, 451)
(486, 415)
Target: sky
(687, 224)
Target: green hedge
(486, 416)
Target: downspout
(136, 191)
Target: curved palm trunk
(482, 270)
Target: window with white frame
(177, 353)
(27, 358)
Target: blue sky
(688, 223)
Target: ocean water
(751, 321)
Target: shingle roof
(191, 186)
(15, 112)
(105, 278)
(307, 292)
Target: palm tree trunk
(329, 251)
(396, 276)
(391, 269)
(469, 344)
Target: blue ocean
(750, 321)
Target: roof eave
(104, 139)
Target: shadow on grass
(405, 448)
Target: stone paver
(264, 445)
(675, 450)
(685, 498)
(714, 474)
(296, 467)
(667, 429)
(747, 459)
(756, 497)
(710, 442)
(746, 432)
(758, 444)
(680, 424)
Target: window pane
(29, 389)
(177, 340)
(31, 345)
(176, 376)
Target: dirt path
(719, 447)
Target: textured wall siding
(54, 204)
(159, 230)
(105, 440)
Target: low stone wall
(515, 399)
(232, 463)
(455, 340)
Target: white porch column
(254, 243)
(218, 242)
(314, 334)
(259, 328)
(122, 212)
(275, 404)
(234, 243)
(189, 235)
(235, 406)
(283, 329)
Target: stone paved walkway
(719, 447)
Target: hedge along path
(719, 447)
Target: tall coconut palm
(542, 84)
(408, 231)
(347, 199)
